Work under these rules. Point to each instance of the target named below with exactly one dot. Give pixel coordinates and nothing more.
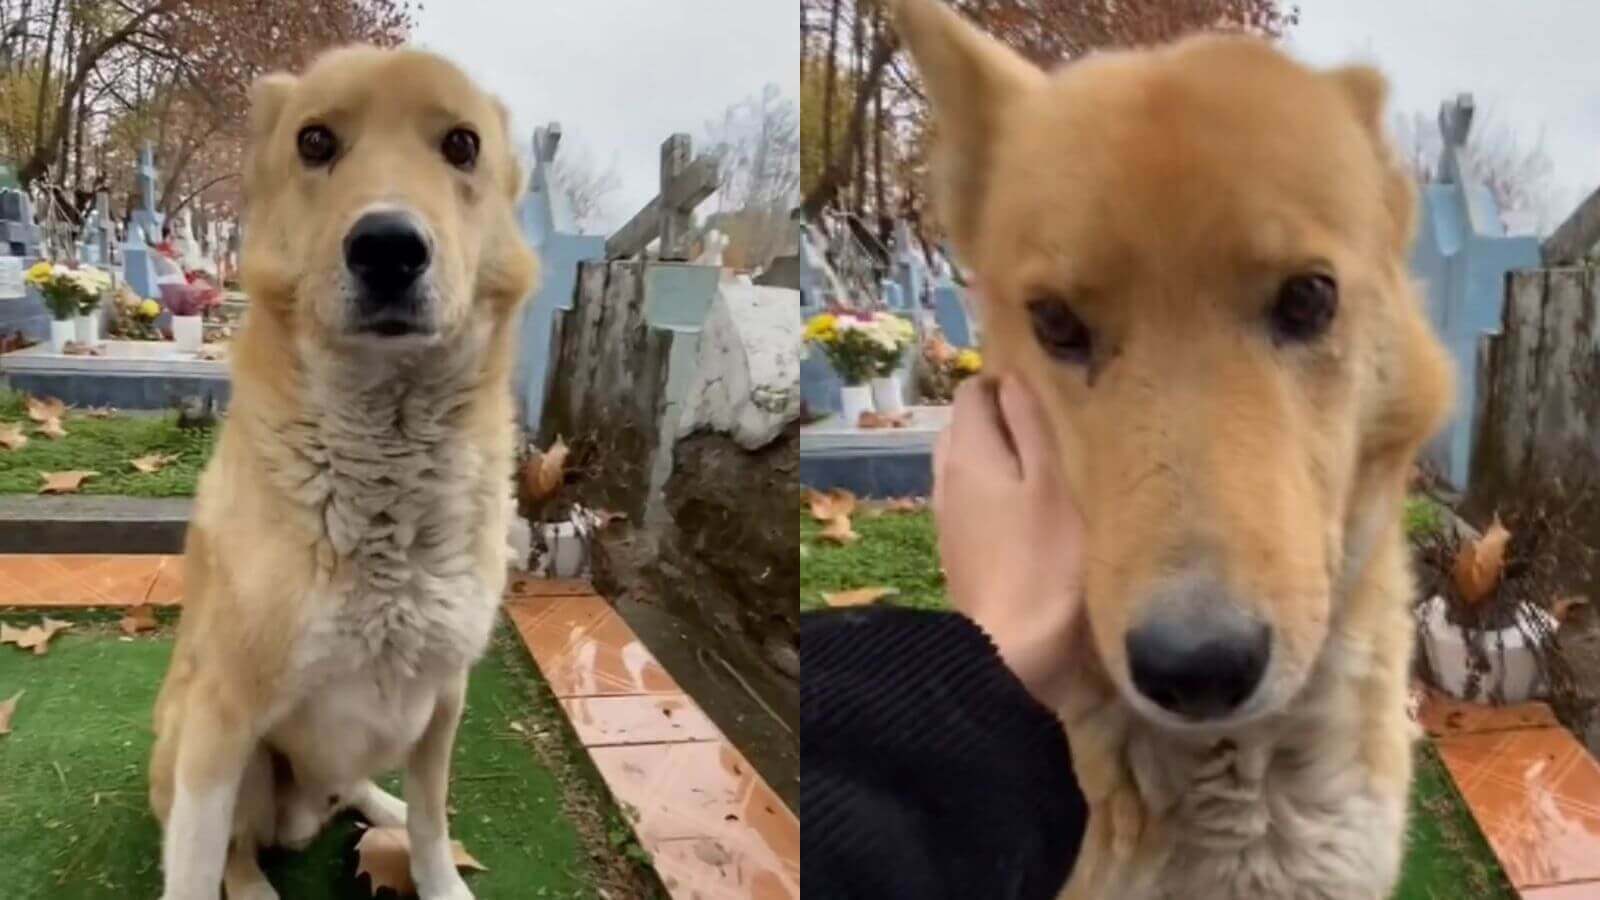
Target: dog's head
(1196, 257)
(379, 193)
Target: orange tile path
(1533, 789)
(714, 829)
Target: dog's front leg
(213, 752)
(427, 785)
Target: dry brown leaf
(873, 419)
(51, 428)
(1479, 563)
(7, 709)
(904, 505)
(100, 412)
(1564, 606)
(838, 531)
(34, 637)
(544, 471)
(829, 506)
(859, 596)
(385, 857)
(41, 409)
(64, 482)
(11, 436)
(152, 463)
(139, 618)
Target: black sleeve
(927, 769)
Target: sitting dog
(348, 548)
(1195, 255)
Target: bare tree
(1518, 173)
(758, 141)
(588, 189)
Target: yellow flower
(149, 309)
(39, 274)
(823, 328)
(968, 362)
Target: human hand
(1010, 537)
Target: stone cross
(1455, 121)
(546, 140)
(670, 214)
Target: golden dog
(347, 553)
(1196, 256)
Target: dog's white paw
(442, 887)
(380, 808)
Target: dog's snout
(387, 252)
(1201, 660)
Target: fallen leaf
(1479, 563)
(385, 857)
(64, 482)
(859, 596)
(1564, 606)
(34, 637)
(899, 506)
(51, 428)
(73, 348)
(7, 708)
(829, 506)
(11, 436)
(100, 412)
(544, 471)
(152, 463)
(139, 618)
(874, 419)
(838, 531)
(43, 408)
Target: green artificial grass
(75, 823)
(106, 446)
(1447, 856)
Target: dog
(347, 552)
(1195, 255)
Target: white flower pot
(854, 399)
(61, 331)
(88, 328)
(887, 396)
(1513, 674)
(188, 332)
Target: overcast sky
(619, 75)
(1532, 64)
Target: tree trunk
(827, 187)
(44, 86)
(830, 77)
(44, 152)
(878, 203)
(857, 37)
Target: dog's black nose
(1201, 663)
(387, 252)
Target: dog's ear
(1368, 93)
(970, 78)
(516, 179)
(268, 96)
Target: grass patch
(106, 446)
(1446, 855)
(75, 823)
(1423, 516)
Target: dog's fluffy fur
(1164, 195)
(347, 552)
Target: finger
(977, 431)
(941, 454)
(1030, 433)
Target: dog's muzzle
(388, 254)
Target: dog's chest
(1294, 817)
(405, 499)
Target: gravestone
(1462, 257)
(94, 246)
(144, 230)
(188, 248)
(22, 308)
(669, 216)
(548, 226)
(20, 233)
(951, 314)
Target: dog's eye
(460, 148)
(1060, 332)
(1305, 307)
(317, 145)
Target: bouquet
(68, 291)
(860, 346)
(186, 298)
(134, 317)
(945, 367)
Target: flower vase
(61, 333)
(188, 332)
(87, 326)
(854, 399)
(887, 396)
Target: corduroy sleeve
(927, 769)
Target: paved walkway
(712, 826)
